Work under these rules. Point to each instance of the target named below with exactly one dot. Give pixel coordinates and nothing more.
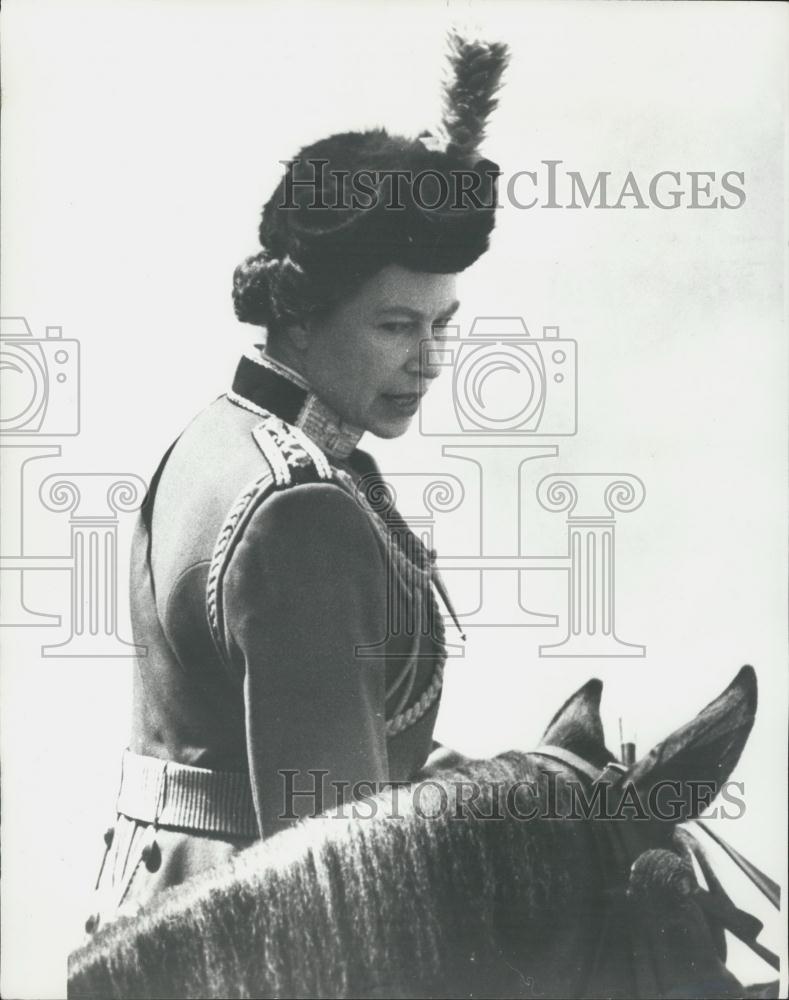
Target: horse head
(549, 873)
(649, 928)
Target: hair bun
(268, 290)
(252, 289)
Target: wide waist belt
(191, 798)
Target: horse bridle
(618, 850)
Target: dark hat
(354, 202)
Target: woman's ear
(705, 751)
(298, 335)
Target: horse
(551, 873)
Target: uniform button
(152, 856)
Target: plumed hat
(354, 202)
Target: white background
(141, 139)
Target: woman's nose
(425, 358)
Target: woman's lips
(404, 402)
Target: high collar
(273, 386)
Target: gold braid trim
(402, 720)
(244, 501)
(286, 449)
(415, 712)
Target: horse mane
(337, 907)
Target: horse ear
(699, 756)
(577, 725)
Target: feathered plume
(470, 92)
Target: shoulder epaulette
(287, 448)
(292, 459)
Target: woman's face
(364, 358)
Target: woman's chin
(391, 427)
(392, 417)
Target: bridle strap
(762, 882)
(613, 860)
(614, 769)
(573, 760)
(615, 772)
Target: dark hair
(340, 214)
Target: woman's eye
(397, 327)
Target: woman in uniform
(293, 624)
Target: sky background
(141, 139)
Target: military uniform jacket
(288, 613)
